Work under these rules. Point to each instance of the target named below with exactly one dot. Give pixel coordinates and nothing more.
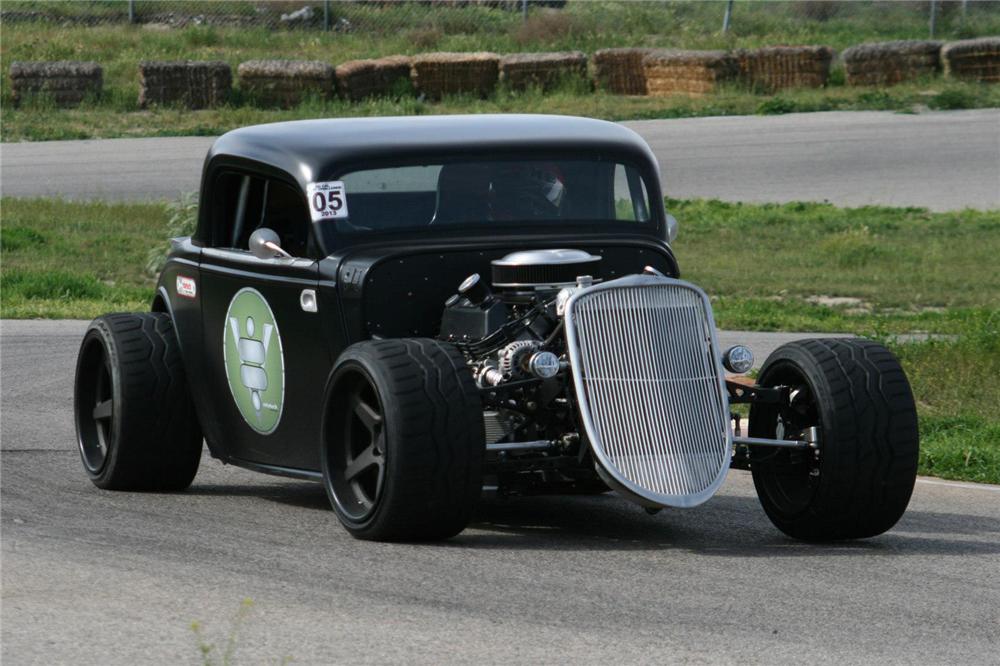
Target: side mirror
(265, 244)
(672, 228)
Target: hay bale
(193, 84)
(285, 82)
(619, 71)
(438, 74)
(779, 67)
(545, 70)
(66, 82)
(358, 79)
(693, 73)
(973, 59)
(888, 63)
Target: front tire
(135, 423)
(403, 440)
(860, 482)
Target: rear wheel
(135, 423)
(859, 482)
(403, 441)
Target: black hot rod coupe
(412, 309)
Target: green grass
(413, 28)
(61, 259)
(912, 270)
(767, 266)
(955, 385)
(773, 266)
(119, 117)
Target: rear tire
(403, 440)
(857, 395)
(135, 423)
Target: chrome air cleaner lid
(544, 268)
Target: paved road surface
(93, 577)
(941, 160)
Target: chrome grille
(650, 386)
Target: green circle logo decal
(255, 361)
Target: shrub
(182, 222)
(425, 38)
(545, 27)
(952, 99)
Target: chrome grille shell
(650, 387)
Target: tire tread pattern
(871, 442)
(158, 445)
(434, 414)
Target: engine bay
(510, 330)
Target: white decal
(186, 287)
(327, 201)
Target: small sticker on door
(186, 287)
(327, 201)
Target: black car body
(374, 284)
(311, 328)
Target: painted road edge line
(931, 481)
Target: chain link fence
(924, 17)
(468, 16)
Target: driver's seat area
(463, 192)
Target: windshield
(492, 192)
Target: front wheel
(859, 482)
(403, 440)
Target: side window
(244, 203)
(631, 200)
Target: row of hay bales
(433, 75)
(664, 72)
(199, 85)
(626, 71)
(661, 72)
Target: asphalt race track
(95, 577)
(939, 160)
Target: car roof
(314, 150)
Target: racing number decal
(254, 360)
(327, 200)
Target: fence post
(524, 10)
(131, 11)
(326, 15)
(933, 16)
(728, 16)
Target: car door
(266, 360)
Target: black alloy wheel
(95, 414)
(402, 443)
(790, 477)
(357, 463)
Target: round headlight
(738, 359)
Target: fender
(185, 313)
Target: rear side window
(244, 203)
(631, 200)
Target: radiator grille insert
(650, 387)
